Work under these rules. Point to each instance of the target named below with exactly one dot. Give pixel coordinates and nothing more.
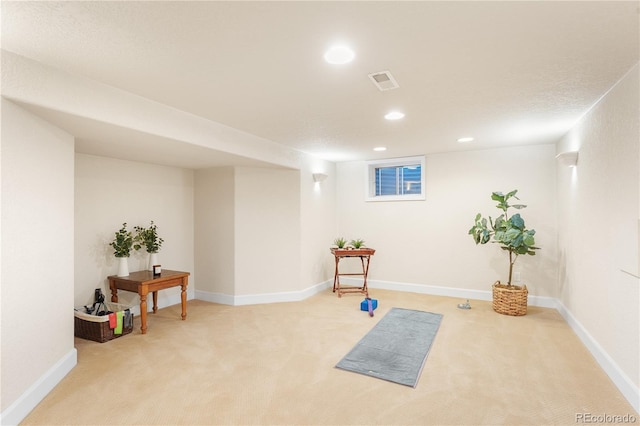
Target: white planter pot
(123, 266)
(153, 260)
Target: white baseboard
(255, 299)
(17, 411)
(625, 385)
(421, 289)
(461, 293)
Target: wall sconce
(569, 158)
(319, 177)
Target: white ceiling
(506, 73)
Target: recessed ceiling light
(466, 139)
(394, 115)
(380, 148)
(339, 55)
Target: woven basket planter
(510, 300)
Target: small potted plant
(510, 232)
(150, 240)
(340, 242)
(356, 244)
(122, 245)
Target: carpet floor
(273, 364)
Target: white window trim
(370, 178)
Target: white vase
(153, 260)
(123, 266)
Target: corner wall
(598, 233)
(318, 223)
(267, 228)
(109, 192)
(37, 259)
(214, 237)
(263, 234)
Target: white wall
(215, 237)
(37, 259)
(262, 234)
(426, 242)
(598, 227)
(318, 222)
(109, 192)
(267, 230)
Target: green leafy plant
(123, 242)
(356, 244)
(340, 242)
(509, 231)
(148, 237)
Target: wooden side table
(364, 254)
(143, 282)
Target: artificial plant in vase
(150, 240)
(508, 231)
(122, 245)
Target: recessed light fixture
(394, 115)
(338, 55)
(380, 148)
(465, 139)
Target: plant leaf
(497, 196)
(517, 221)
(512, 194)
(528, 239)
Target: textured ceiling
(507, 73)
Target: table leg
(155, 301)
(365, 272)
(114, 292)
(183, 296)
(143, 313)
(335, 277)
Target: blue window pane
(411, 180)
(386, 181)
(399, 180)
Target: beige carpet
(274, 364)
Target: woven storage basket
(510, 300)
(96, 328)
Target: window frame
(370, 180)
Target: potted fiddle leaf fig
(122, 245)
(511, 234)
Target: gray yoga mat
(396, 348)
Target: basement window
(395, 179)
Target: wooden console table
(143, 282)
(364, 254)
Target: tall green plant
(509, 231)
(123, 242)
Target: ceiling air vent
(384, 80)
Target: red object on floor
(113, 321)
